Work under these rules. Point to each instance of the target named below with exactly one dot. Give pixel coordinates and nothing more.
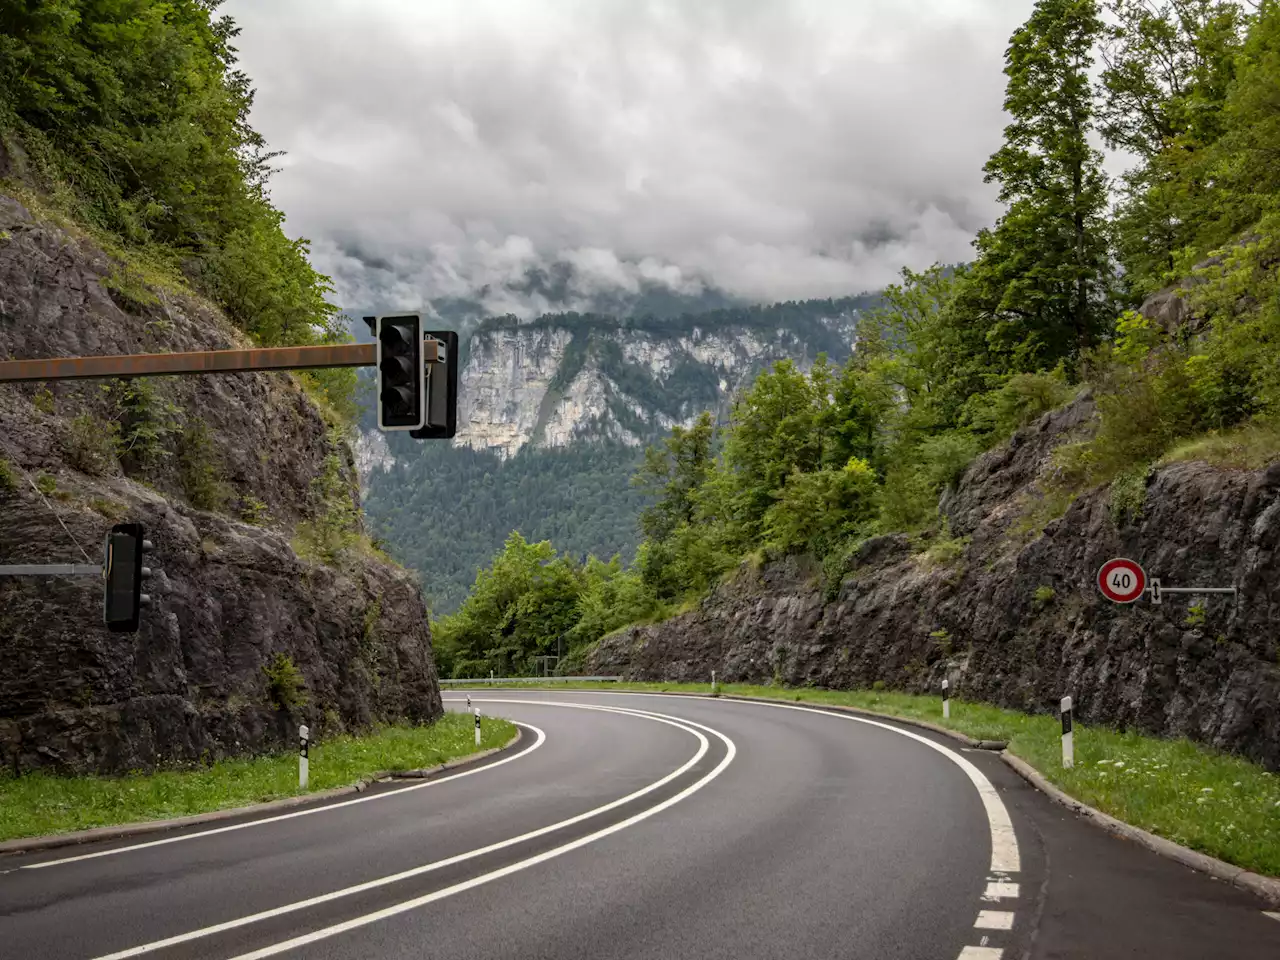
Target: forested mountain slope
(553, 416)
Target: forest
(957, 359)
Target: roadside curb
(34, 844)
(1265, 887)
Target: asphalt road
(656, 827)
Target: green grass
(1248, 447)
(1216, 803)
(39, 804)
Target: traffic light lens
(396, 368)
(397, 338)
(398, 399)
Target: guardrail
(493, 681)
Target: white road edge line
(1004, 842)
(399, 792)
(703, 747)
(356, 922)
(1273, 916)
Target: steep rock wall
(229, 595)
(1017, 619)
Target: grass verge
(38, 804)
(1218, 804)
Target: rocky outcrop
(1016, 619)
(228, 473)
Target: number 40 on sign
(1122, 581)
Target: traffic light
(402, 376)
(442, 389)
(123, 572)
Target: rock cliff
(570, 378)
(1015, 618)
(233, 476)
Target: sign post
(304, 738)
(1068, 748)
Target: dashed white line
(1001, 891)
(994, 920)
(981, 953)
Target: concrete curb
(1265, 887)
(33, 844)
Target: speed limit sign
(1122, 581)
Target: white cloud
(772, 149)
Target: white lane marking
(398, 792)
(404, 907)
(1273, 916)
(1001, 891)
(981, 953)
(703, 747)
(1004, 842)
(994, 920)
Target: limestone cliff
(229, 474)
(569, 378)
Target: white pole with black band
(946, 700)
(304, 739)
(477, 726)
(1068, 748)
(713, 682)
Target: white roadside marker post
(468, 701)
(713, 682)
(1068, 748)
(304, 738)
(946, 700)
(477, 726)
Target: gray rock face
(229, 596)
(1018, 619)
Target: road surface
(644, 827)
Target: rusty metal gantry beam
(203, 361)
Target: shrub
(199, 470)
(90, 444)
(148, 421)
(8, 477)
(285, 684)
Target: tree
(1041, 288)
(1168, 70)
(673, 473)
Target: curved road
(644, 826)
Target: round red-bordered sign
(1122, 581)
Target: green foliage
(43, 400)
(199, 469)
(1196, 616)
(148, 421)
(8, 477)
(134, 118)
(335, 526)
(109, 508)
(1128, 494)
(253, 511)
(285, 684)
(46, 484)
(90, 444)
(1044, 596)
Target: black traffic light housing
(442, 389)
(123, 573)
(402, 376)
(440, 382)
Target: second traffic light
(402, 375)
(123, 572)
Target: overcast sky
(775, 149)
